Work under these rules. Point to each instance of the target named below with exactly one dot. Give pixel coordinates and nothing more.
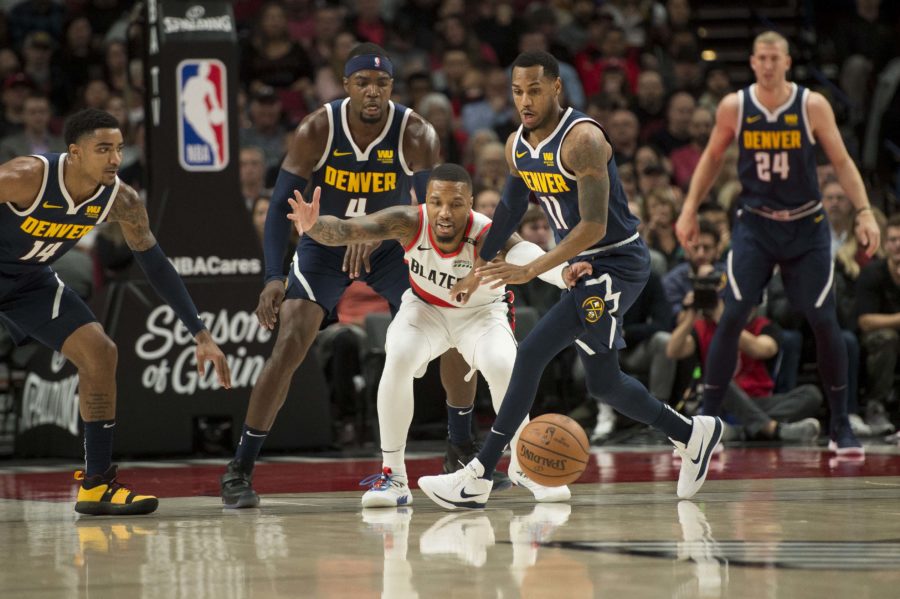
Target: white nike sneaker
(695, 456)
(466, 536)
(386, 490)
(464, 488)
(541, 493)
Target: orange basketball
(553, 450)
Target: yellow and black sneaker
(101, 495)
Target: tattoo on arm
(587, 156)
(128, 210)
(398, 222)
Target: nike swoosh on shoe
(717, 434)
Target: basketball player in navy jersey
(781, 220)
(365, 152)
(52, 201)
(565, 159)
(440, 240)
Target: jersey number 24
(774, 162)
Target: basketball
(553, 450)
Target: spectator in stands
(418, 85)
(95, 94)
(715, 215)
(451, 71)
(437, 110)
(650, 104)
(717, 85)
(654, 177)
(495, 110)
(474, 144)
(253, 175)
(702, 257)
(267, 131)
(623, 128)
(115, 106)
(116, 66)
(535, 227)
(329, 20)
(37, 52)
(659, 217)
(491, 167)
(329, 82)
(35, 15)
(499, 25)
(77, 59)
(133, 174)
(840, 213)
(628, 179)
(35, 137)
(271, 58)
(486, 202)
(612, 50)
(301, 21)
(367, 23)
(878, 306)
(685, 159)
(762, 415)
(453, 34)
(679, 110)
(16, 88)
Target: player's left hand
(500, 272)
(304, 214)
(867, 232)
(207, 350)
(575, 271)
(357, 255)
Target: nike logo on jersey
(337, 154)
(754, 118)
(520, 154)
(49, 205)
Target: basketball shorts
(316, 274)
(602, 298)
(39, 306)
(462, 328)
(801, 248)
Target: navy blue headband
(368, 61)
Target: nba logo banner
(202, 115)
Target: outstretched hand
(357, 255)
(304, 214)
(464, 288)
(208, 351)
(500, 272)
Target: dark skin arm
(128, 210)
(585, 153)
(304, 152)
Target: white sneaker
(541, 493)
(464, 488)
(606, 423)
(386, 490)
(465, 536)
(695, 456)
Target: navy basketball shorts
(801, 248)
(39, 306)
(316, 274)
(602, 298)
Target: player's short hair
(86, 122)
(534, 214)
(538, 58)
(367, 48)
(772, 37)
(450, 172)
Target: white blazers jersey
(432, 272)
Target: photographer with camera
(749, 398)
(704, 254)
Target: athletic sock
(459, 424)
(248, 449)
(98, 441)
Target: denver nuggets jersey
(556, 190)
(777, 156)
(32, 239)
(432, 273)
(358, 181)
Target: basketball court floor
(769, 523)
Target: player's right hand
(465, 287)
(304, 214)
(269, 303)
(687, 229)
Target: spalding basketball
(553, 450)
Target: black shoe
(458, 456)
(237, 487)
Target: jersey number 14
(768, 163)
(42, 250)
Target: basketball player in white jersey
(440, 239)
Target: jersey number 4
(42, 250)
(768, 163)
(356, 207)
